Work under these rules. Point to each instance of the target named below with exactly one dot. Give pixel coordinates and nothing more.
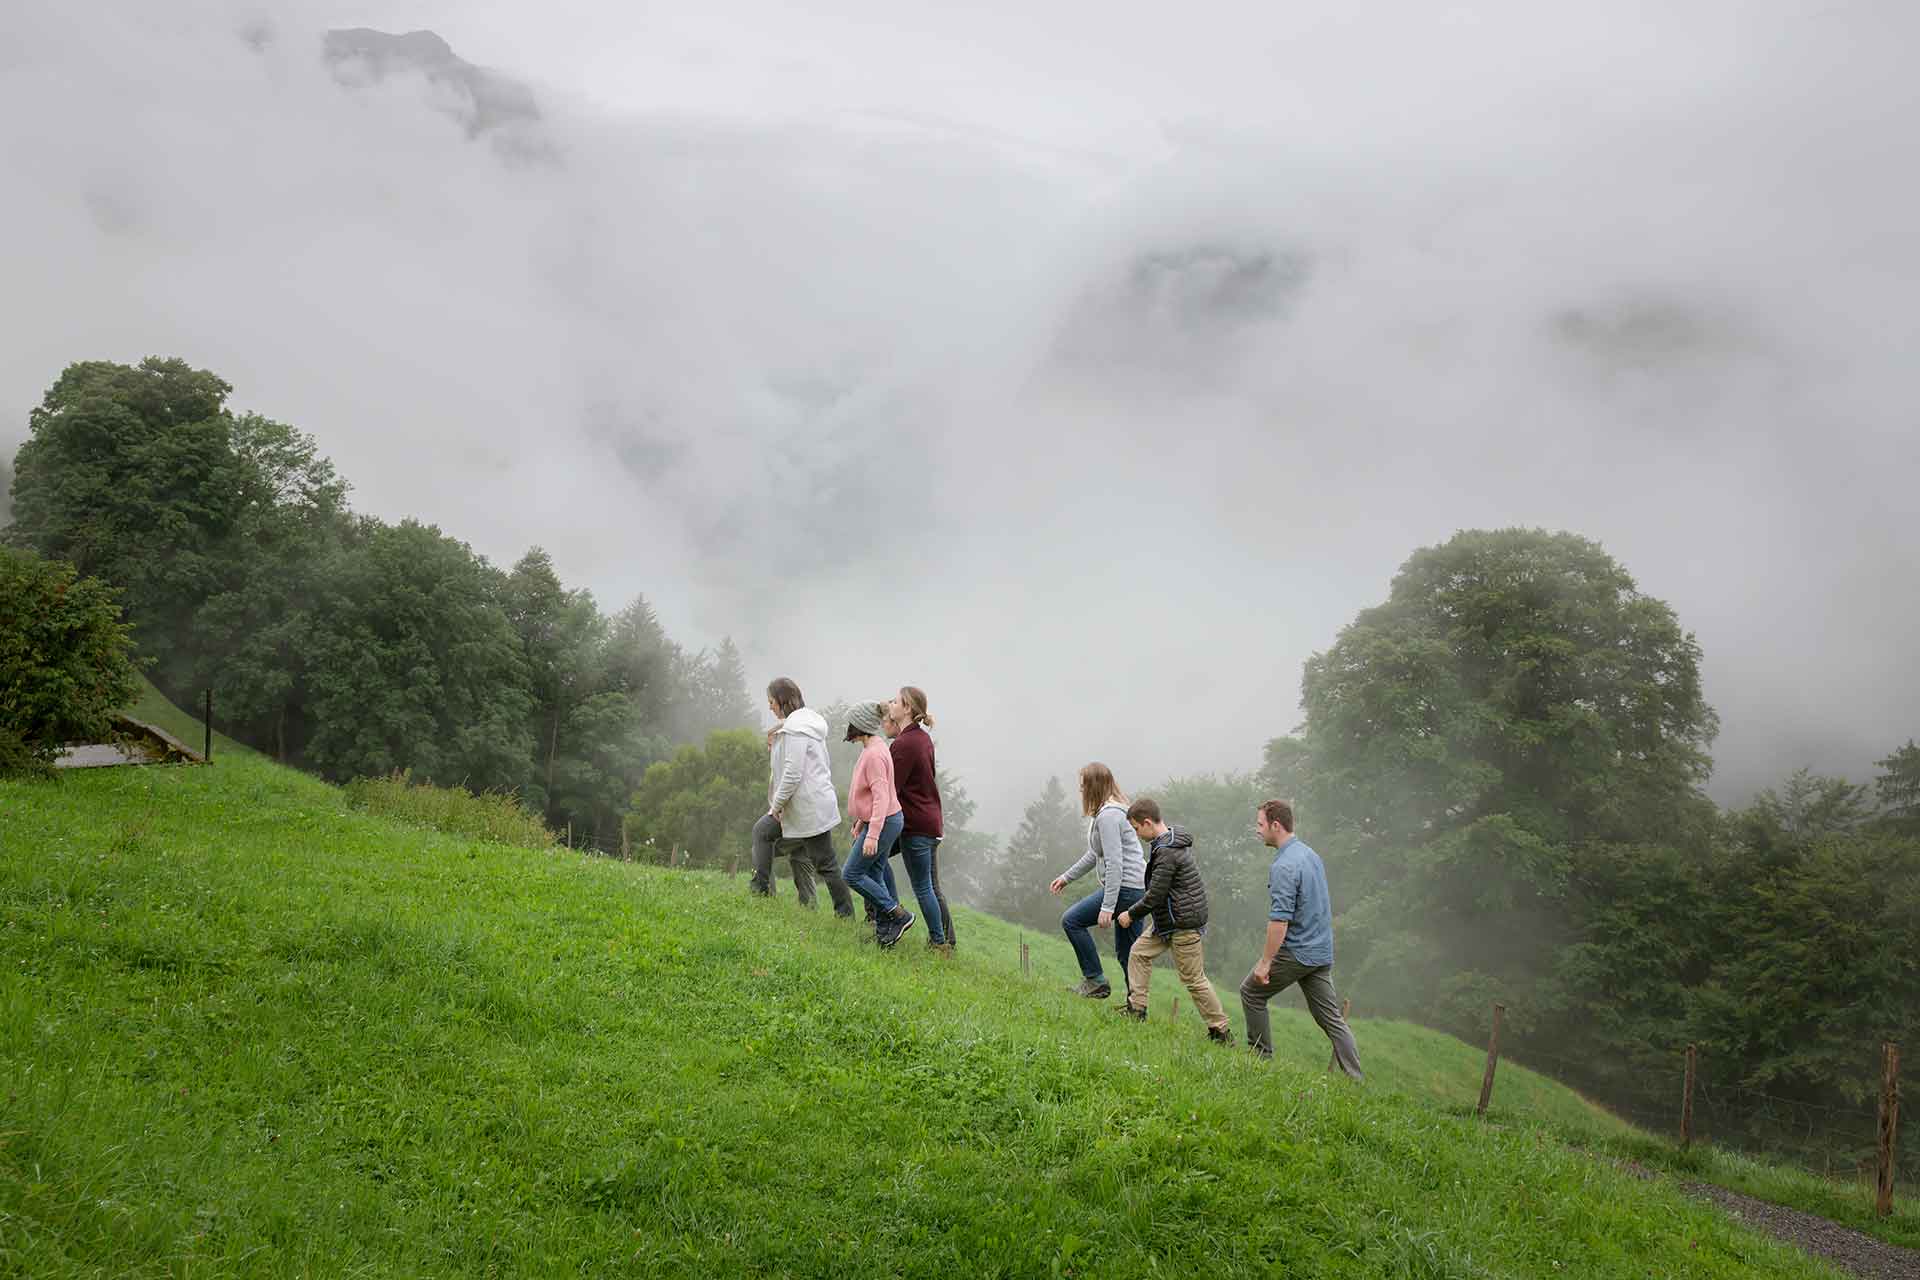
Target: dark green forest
(338, 642)
(1503, 763)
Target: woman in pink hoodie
(873, 805)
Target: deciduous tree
(65, 664)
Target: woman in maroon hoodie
(914, 778)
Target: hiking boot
(1221, 1035)
(891, 931)
(1128, 1011)
(1093, 988)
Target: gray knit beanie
(864, 717)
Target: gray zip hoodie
(1111, 842)
(800, 786)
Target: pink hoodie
(871, 797)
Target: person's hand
(1126, 919)
(1261, 971)
(773, 813)
(1106, 918)
(873, 845)
(1059, 883)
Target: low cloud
(1087, 370)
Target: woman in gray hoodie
(802, 807)
(1112, 844)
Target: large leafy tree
(713, 693)
(704, 800)
(561, 638)
(129, 474)
(254, 631)
(1898, 789)
(1786, 947)
(1218, 812)
(1515, 705)
(416, 666)
(64, 659)
(1051, 834)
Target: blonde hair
(916, 704)
(1097, 788)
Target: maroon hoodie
(913, 777)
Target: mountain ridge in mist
(481, 98)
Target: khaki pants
(1187, 962)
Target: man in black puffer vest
(1177, 901)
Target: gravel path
(1844, 1247)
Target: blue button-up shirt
(1297, 885)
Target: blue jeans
(1079, 921)
(865, 875)
(917, 853)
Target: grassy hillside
(247, 1030)
(152, 707)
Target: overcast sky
(1086, 365)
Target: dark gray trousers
(808, 856)
(1316, 984)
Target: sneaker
(1093, 989)
(896, 929)
(1128, 1011)
(1221, 1035)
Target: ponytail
(916, 701)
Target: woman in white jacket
(802, 808)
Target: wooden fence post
(569, 835)
(1889, 1124)
(626, 844)
(1174, 1015)
(1493, 1059)
(209, 744)
(1686, 1104)
(733, 866)
(1025, 969)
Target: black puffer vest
(1175, 897)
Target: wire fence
(1834, 1137)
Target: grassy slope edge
(248, 1030)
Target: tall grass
(490, 816)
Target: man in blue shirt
(1299, 941)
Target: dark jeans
(869, 876)
(918, 853)
(946, 915)
(807, 856)
(1083, 915)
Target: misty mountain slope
(480, 98)
(252, 1030)
(1336, 287)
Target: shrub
(490, 815)
(65, 660)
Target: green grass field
(246, 1029)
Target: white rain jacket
(801, 785)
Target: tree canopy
(1514, 705)
(64, 660)
(344, 643)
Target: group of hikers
(1151, 894)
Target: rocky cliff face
(481, 99)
